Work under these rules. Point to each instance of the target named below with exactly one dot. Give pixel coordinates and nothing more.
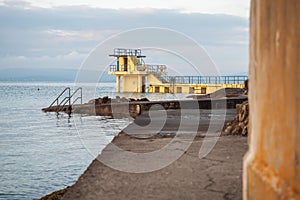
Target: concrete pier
(135, 108)
(217, 176)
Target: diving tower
(134, 75)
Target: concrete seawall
(135, 108)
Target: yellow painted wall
(121, 63)
(153, 80)
(272, 164)
(187, 88)
(130, 62)
(233, 85)
(130, 83)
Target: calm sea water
(43, 152)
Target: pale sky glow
(61, 33)
(231, 7)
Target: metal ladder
(60, 105)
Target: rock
(242, 125)
(92, 101)
(106, 99)
(228, 129)
(103, 100)
(143, 99)
(124, 99)
(246, 87)
(245, 131)
(239, 125)
(118, 99)
(57, 195)
(236, 130)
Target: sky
(61, 34)
(233, 7)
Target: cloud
(232, 7)
(16, 4)
(71, 60)
(46, 36)
(80, 35)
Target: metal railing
(77, 98)
(127, 52)
(146, 68)
(113, 68)
(121, 68)
(66, 99)
(155, 68)
(163, 79)
(203, 79)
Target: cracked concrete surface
(217, 176)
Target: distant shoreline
(51, 74)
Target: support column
(118, 83)
(139, 84)
(272, 164)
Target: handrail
(57, 98)
(202, 79)
(80, 97)
(67, 99)
(70, 97)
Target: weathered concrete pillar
(272, 165)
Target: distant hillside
(55, 74)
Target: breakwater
(135, 108)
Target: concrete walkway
(216, 176)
